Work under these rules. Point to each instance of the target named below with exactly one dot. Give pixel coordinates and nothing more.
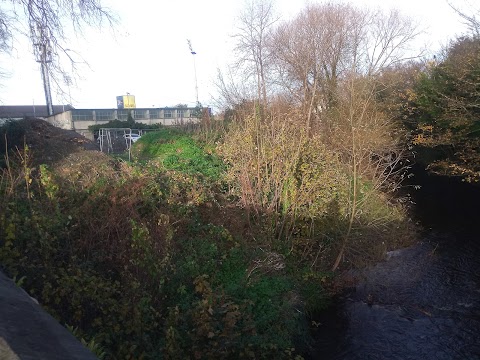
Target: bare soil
(49, 144)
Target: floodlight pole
(194, 68)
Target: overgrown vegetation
(170, 256)
(312, 200)
(314, 146)
(448, 109)
(222, 243)
(150, 260)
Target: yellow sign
(129, 102)
(126, 102)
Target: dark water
(424, 301)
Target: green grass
(177, 150)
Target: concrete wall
(28, 332)
(62, 120)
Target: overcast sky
(147, 54)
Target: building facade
(80, 119)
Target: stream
(423, 302)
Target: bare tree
(46, 23)
(328, 42)
(314, 50)
(470, 18)
(327, 59)
(388, 40)
(255, 23)
(5, 32)
(231, 92)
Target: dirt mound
(73, 157)
(49, 144)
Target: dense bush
(448, 109)
(438, 101)
(309, 194)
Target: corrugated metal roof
(30, 111)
